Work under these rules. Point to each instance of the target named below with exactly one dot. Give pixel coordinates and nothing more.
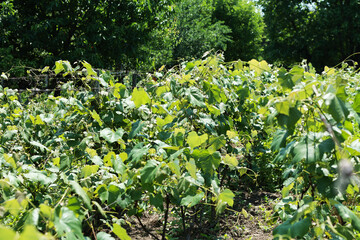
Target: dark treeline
(146, 34)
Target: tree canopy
(323, 32)
(246, 26)
(147, 34)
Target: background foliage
(323, 32)
(145, 35)
(129, 35)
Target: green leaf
(36, 120)
(46, 210)
(207, 161)
(297, 74)
(293, 118)
(90, 71)
(226, 197)
(258, 67)
(111, 136)
(162, 122)
(356, 103)
(81, 192)
(74, 204)
(67, 66)
(40, 176)
(231, 161)
(140, 97)
(175, 168)
(67, 224)
(39, 145)
(279, 140)
(286, 189)
(120, 232)
(191, 167)
(102, 192)
(161, 90)
(96, 117)
(29, 232)
(348, 216)
(216, 143)
(13, 206)
(157, 201)
(104, 236)
(8, 135)
(194, 140)
(91, 152)
(119, 90)
(292, 230)
(58, 67)
(283, 107)
(47, 118)
(195, 97)
(338, 109)
(7, 233)
(213, 110)
(216, 95)
(285, 79)
(88, 170)
(149, 172)
(190, 201)
(109, 158)
(136, 128)
(10, 160)
(118, 164)
(306, 150)
(114, 193)
(138, 152)
(4, 76)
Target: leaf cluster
(80, 164)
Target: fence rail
(49, 82)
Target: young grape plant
(182, 143)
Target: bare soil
(252, 219)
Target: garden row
(75, 166)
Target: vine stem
(145, 229)
(183, 218)
(166, 217)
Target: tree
(107, 33)
(246, 26)
(196, 31)
(336, 31)
(324, 32)
(287, 29)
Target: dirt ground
(252, 219)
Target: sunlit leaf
(88, 170)
(7, 233)
(111, 136)
(191, 167)
(231, 161)
(96, 117)
(120, 232)
(140, 97)
(195, 140)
